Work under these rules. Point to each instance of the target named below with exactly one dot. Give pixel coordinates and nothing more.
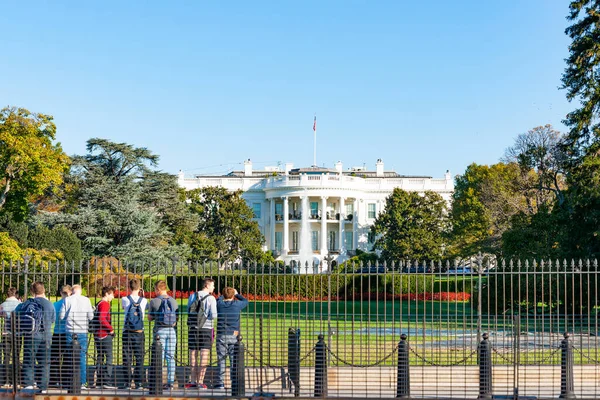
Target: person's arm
(63, 310)
(90, 313)
(149, 311)
(213, 307)
(243, 301)
(103, 313)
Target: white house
(313, 213)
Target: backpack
(166, 313)
(29, 318)
(134, 320)
(94, 324)
(197, 307)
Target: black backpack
(167, 315)
(29, 318)
(134, 320)
(94, 324)
(197, 313)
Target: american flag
(315, 124)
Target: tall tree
(411, 226)
(581, 79)
(226, 230)
(30, 159)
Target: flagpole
(315, 142)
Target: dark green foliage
(16, 230)
(59, 238)
(413, 226)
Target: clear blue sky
(426, 86)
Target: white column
(342, 223)
(286, 227)
(355, 226)
(304, 209)
(273, 224)
(323, 225)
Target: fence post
(403, 383)
(238, 380)
(75, 387)
(155, 380)
(567, 387)
(294, 359)
(321, 368)
(485, 368)
(14, 347)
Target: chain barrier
(375, 364)
(596, 362)
(537, 363)
(454, 364)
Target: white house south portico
(318, 212)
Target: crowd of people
(45, 333)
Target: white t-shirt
(127, 304)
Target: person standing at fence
(6, 308)
(58, 351)
(34, 322)
(163, 311)
(77, 312)
(229, 307)
(202, 310)
(134, 306)
(103, 338)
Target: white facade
(341, 206)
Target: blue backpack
(134, 319)
(29, 318)
(166, 313)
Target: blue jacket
(229, 314)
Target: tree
(58, 239)
(412, 226)
(226, 230)
(582, 143)
(484, 201)
(30, 160)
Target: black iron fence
(401, 329)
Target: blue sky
(426, 86)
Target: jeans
(36, 355)
(225, 348)
(168, 340)
(82, 338)
(133, 349)
(104, 361)
(59, 360)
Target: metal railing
(385, 329)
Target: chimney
(448, 175)
(379, 168)
(248, 168)
(180, 178)
(288, 167)
(338, 167)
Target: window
(278, 240)
(331, 243)
(349, 209)
(371, 210)
(278, 208)
(315, 240)
(371, 237)
(294, 240)
(349, 240)
(256, 207)
(314, 209)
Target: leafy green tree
(412, 226)
(30, 160)
(58, 239)
(226, 230)
(485, 199)
(17, 230)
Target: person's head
(108, 293)
(161, 287)
(11, 292)
(37, 289)
(76, 289)
(228, 293)
(66, 291)
(134, 284)
(208, 285)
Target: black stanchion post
(321, 368)
(294, 359)
(567, 386)
(485, 368)
(238, 380)
(155, 380)
(14, 353)
(403, 384)
(75, 386)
